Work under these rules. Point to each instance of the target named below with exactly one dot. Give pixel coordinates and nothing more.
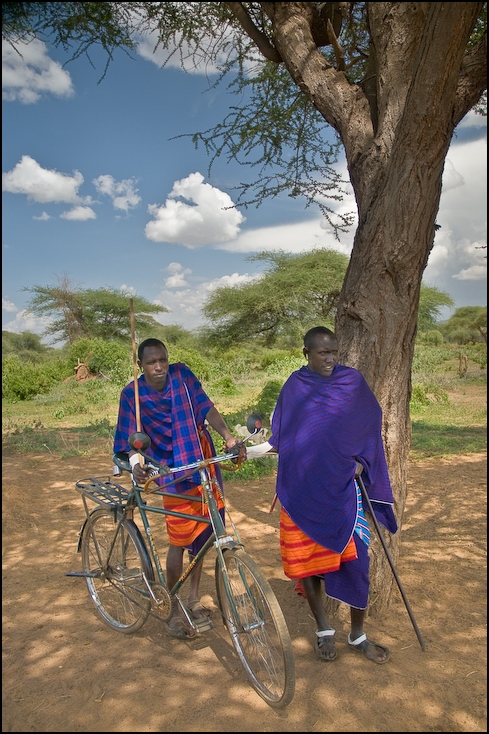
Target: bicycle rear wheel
(257, 627)
(115, 557)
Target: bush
(199, 365)
(432, 337)
(267, 399)
(427, 394)
(23, 380)
(100, 356)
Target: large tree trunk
(395, 148)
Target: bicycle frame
(126, 580)
(220, 538)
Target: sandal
(177, 628)
(323, 645)
(361, 644)
(198, 610)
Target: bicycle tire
(259, 632)
(116, 585)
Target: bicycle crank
(161, 602)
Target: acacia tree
(431, 302)
(467, 324)
(393, 80)
(293, 292)
(74, 313)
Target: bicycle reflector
(139, 441)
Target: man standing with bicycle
(174, 410)
(326, 429)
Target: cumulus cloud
(186, 304)
(123, 193)
(460, 250)
(28, 76)
(79, 214)
(42, 217)
(43, 185)
(452, 179)
(472, 119)
(26, 321)
(195, 214)
(177, 275)
(475, 272)
(295, 238)
(8, 305)
(128, 289)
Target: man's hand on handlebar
(142, 473)
(237, 447)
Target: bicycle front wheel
(116, 558)
(257, 627)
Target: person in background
(174, 411)
(327, 429)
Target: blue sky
(95, 189)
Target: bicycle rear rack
(105, 493)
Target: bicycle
(126, 582)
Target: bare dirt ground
(65, 671)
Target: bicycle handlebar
(140, 441)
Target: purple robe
(321, 427)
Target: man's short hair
(151, 342)
(312, 334)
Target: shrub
(100, 356)
(426, 394)
(267, 399)
(193, 359)
(23, 380)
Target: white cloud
(43, 185)
(127, 289)
(8, 306)
(79, 214)
(177, 276)
(43, 217)
(26, 321)
(185, 305)
(472, 119)
(123, 193)
(294, 238)
(452, 179)
(460, 250)
(30, 74)
(475, 272)
(195, 214)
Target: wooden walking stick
(135, 373)
(366, 498)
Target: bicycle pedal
(203, 624)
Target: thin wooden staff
(135, 373)
(391, 562)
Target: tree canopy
(295, 291)
(279, 304)
(26, 345)
(431, 302)
(467, 324)
(74, 313)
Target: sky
(102, 185)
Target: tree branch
(261, 40)
(338, 51)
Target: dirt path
(64, 671)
